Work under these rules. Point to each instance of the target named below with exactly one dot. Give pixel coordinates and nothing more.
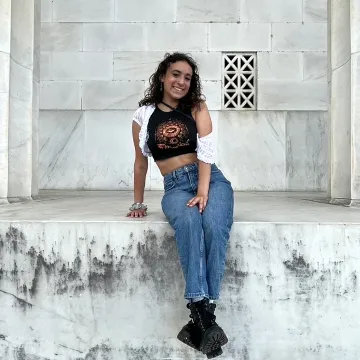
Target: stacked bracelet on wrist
(138, 206)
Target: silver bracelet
(138, 206)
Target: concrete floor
(279, 207)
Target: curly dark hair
(154, 95)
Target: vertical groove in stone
(329, 76)
(36, 100)
(5, 21)
(355, 99)
(24, 79)
(340, 52)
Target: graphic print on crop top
(171, 134)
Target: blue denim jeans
(201, 239)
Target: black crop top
(171, 134)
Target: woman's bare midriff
(176, 162)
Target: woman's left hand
(200, 200)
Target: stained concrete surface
(80, 281)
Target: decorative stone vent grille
(239, 81)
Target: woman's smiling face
(177, 80)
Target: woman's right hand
(137, 213)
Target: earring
(161, 86)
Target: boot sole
(184, 337)
(215, 353)
(213, 339)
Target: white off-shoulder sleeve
(138, 116)
(205, 148)
(141, 117)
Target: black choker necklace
(177, 110)
(170, 107)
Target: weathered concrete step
(112, 290)
(80, 281)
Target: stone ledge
(113, 289)
(81, 289)
(112, 206)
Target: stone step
(80, 281)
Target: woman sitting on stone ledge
(173, 125)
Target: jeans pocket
(169, 183)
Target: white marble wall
(355, 96)
(21, 94)
(307, 157)
(36, 100)
(274, 150)
(62, 151)
(97, 57)
(340, 100)
(345, 95)
(19, 97)
(5, 34)
(315, 10)
(265, 150)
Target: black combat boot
(208, 334)
(218, 351)
(190, 335)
